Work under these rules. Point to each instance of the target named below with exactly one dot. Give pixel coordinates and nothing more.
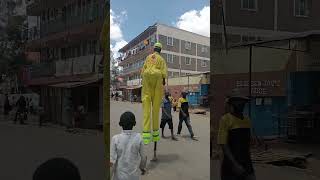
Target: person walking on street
(234, 139)
(79, 115)
(154, 74)
(135, 98)
(28, 105)
(127, 151)
(166, 116)
(116, 96)
(6, 107)
(174, 104)
(21, 110)
(183, 106)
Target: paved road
(185, 159)
(24, 147)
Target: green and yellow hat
(158, 45)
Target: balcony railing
(52, 27)
(128, 70)
(68, 67)
(139, 55)
(33, 33)
(42, 70)
(67, 22)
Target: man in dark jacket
(6, 107)
(183, 106)
(21, 110)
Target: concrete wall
(262, 18)
(268, 17)
(263, 59)
(264, 84)
(176, 90)
(196, 79)
(182, 34)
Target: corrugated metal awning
(73, 84)
(135, 87)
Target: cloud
(196, 21)
(116, 35)
(116, 46)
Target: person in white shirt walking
(127, 157)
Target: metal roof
(280, 38)
(74, 84)
(136, 39)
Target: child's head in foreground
(57, 168)
(127, 120)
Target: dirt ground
(267, 172)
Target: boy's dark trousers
(187, 121)
(20, 112)
(164, 121)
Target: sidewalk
(33, 121)
(25, 147)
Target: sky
(128, 18)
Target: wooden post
(105, 39)
(250, 79)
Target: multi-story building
(185, 53)
(9, 8)
(67, 39)
(277, 67)
(251, 20)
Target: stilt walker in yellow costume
(154, 73)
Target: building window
(268, 101)
(301, 8)
(170, 74)
(169, 41)
(169, 58)
(204, 49)
(245, 38)
(259, 101)
(249, 4)
(203, 63)
(188, 61)
(187, 45)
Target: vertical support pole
(105, 39)
(188, 83)
(224, 29)
(250, 79)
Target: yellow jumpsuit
(153, 72)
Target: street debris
(281, 158)
(199, 111)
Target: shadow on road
(168, 158)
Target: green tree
(12, 47)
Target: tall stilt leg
(155, 152)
